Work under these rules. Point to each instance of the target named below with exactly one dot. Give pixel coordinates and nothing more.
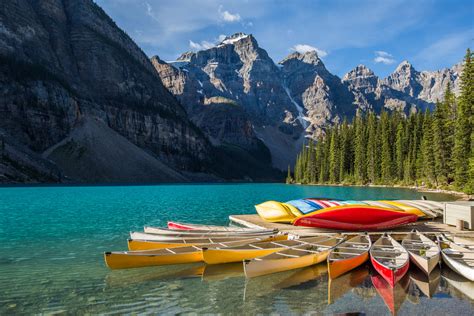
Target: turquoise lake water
(52, 241)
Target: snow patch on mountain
(301, 118)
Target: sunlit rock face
(66, 60)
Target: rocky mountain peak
(231, 39)
(361, 71)
(185, 56)
(405, 67)
(309, 57)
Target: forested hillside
(432, 149)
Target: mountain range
(81, 102)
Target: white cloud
(383, 57)
(303, 48)
(227, 16)
(221, 37)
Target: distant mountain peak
(309, 57)
(359, 71)
(186, 56)
(231, 39)
(404, 66)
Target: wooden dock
(427, 227)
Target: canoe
(389, 259)
(436, 206)
(164, 256)
(137, 244)
(348, 255)
(291, 258)
(459, 259)
(427, 284)
(383, 204)
(253, 250)
(428, 212)
(189, 238)
(392, 296)
(167, 231)
(187, 226)
(463, 242)
(406, 208)
(423, 251)
(273, 211)
(356, 217)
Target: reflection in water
(300, 277)
(346, 282)
(458, 285)
(122, 278)
(393, 297)
(215, 272)
(428, 285)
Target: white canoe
(423, 251)
(167, 231)
(188, 226)
(458, 258)
(463, 242)
(302, 256)
(193, 238)
(428, 211)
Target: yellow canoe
(273, 211)
(253, 250)
(291, 258)
(348, 255)
(406, 208)
(164, 256)
(136, 244)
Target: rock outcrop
(65, 60)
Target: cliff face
(234, 93)
(64, 60)
(321, 94)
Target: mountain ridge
(309, 96)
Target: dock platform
(427, 227)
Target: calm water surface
(52, 240)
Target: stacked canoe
(269, 251)
(348, 215)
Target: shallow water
(52, 240)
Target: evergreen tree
(443, 136)
(386, 157)
(360, 151)
(289, 178)
(428, 170)
(400, 151)
(334, 156)
(463, 127)
(372, 148)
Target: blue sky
(380, 34)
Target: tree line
(432, 148)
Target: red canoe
(389, 259)
(356, 217)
